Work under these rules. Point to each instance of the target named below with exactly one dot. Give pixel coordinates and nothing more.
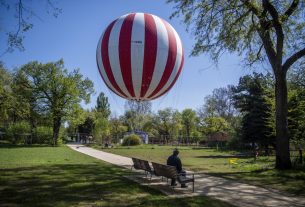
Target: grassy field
(47, 176)
(259, 172)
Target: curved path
(238, 194)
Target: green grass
(47, 176)
(258, 172)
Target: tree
(117, 128)
(101, 130)
(296, 114)
(6, 96)
(102, 105)
(220, 103)
(296, 104)
(189, 121)
(23, 13)
(137, 114)
(271, 31)
(214, 125)
(251, 98)
(168, 122)
(76, 118)
(56, 90)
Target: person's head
(175, 152)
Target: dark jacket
(174, 160)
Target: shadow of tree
(83, 185)
(291, 181)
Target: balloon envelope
(140, 56)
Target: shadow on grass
(224, 156)
(8, 145)
(290, 181)
(83, 185)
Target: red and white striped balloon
(140, 56)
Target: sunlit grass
(258, 171)
(48, 176)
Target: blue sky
(74, 35)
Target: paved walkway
(238, 194)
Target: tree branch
(290, 10)
(278, 29)
(290, 61)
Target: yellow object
(233, 161)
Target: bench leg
(193, 183)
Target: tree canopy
(260, 31)
(56, 90)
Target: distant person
(175, 161)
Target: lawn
(258, 172)
(59, 176)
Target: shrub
(43, 135)
(18, 131)
(131, 140)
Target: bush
(43, 135)
(18, 132)
(131, 140)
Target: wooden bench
(139, 164)
(170, 172)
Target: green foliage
(220, 103)
(18, 132)
(102, 105)
(131, 140)
(168, 122)
(42, 135)
(56, 90)
(189, 121)
(101, 130)
(261, 31)
(76, 117)
(136, 114)
(251, 98)
(296, 104)
(214, 125)
(117, 128)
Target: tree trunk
(282, 141)
(56, 127)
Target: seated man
(175, 161)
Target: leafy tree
(87, 126)
(56, 90)
(251, 98)
(137, 114)
(117, 128)
(219, 104)
(76, 118)
(6, 96)
(214, 125)
(168, 122)
(101, 130)
(296, 114)
(102, 105)
(14, 101)
(266, 30)
(189, 121)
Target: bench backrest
(145, 165)
(141, 164)
(136, 163)
(165, 170)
